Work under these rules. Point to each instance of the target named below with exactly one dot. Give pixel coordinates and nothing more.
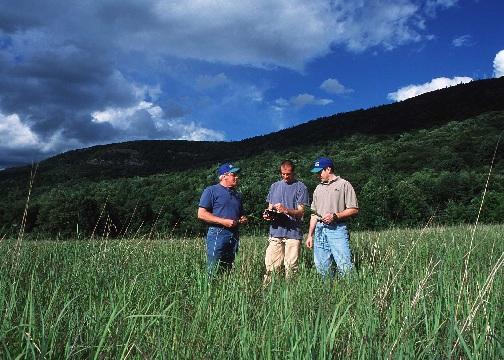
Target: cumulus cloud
(432, 6)
(19, 144)
(498, 64)
(261, 33)
(146, 120)
(300, 101)
(369, 24)
(463, 41)
(333, 86)
(14, 134)
(204, 82)
(308, 99)
(435, 84)
(82, 73)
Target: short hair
(288, 163)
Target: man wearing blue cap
(334, 201)
(221, 207)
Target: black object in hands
(272, 214)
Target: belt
(331, 223)
(233, 229)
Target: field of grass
(420, 293)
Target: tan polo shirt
(334, 196)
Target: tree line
(437, 174)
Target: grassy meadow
(428, 293)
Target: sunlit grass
(151, 299)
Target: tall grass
(135, 298)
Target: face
(324, 174)
(287, 174)
(230, 180)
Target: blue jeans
(222, 246)
(331, 244)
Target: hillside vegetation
(427, 157)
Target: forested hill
(425, 158)
(141, 158)
(421, 112)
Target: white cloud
(307, 99)
(261, 33)
(333, 86)
(15, 134)
(281, 102)
(435, 84)
(249, 93)
(379, 23)
(205, 82)
(431, 6)
(266, 33)
(498, 64)
(194, 132)
(122, 118)
(464, 40)
(147, 120)
(68, 59)
(299, 101)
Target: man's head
(324, 167)
(228, 175)
(287, 171)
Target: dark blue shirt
(289, 195)
(222, 202)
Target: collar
(230, 188)
(330, 181)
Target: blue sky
(79, 73)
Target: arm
(339, 216)
(208, 217)
(265, 216)
(295, 213)
(347, 213)
(311, 230)
(243, 220)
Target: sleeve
(302, 195)
(206, 199)
(270, 194)
(314, 200)
(350, 197)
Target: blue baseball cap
(321, 164)
(227, 168)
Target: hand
(243, 220)
(309, 242)
(327, 218)
(280, 208)
(229, 223)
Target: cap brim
(316, 169)
(235, 170)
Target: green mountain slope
(141, 158)
(428, 156)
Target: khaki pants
(282, 251)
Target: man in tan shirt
(334, 201)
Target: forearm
(208, 217)
(296, 213)
(313, 223)
(347, 213)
